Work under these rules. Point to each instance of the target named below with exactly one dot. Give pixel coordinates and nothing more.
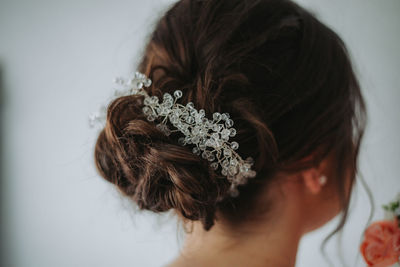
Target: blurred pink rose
(381, 244)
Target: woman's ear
(313, 180)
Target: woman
(287, 82)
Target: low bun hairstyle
(151, 168)
(283, 76)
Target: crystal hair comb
(210, 137)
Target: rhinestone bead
(250, 160)
(181, 141)
(147, 82)
(229, 123)
(227, 153)
(151, 117)
(232, 170)
(225, 138)
(216, 116)
(225, 163)
(214, 165)
(225, 132)
(196, 150)
(147, 101)
(146, 110)
(178, 93)
(139, 85)
(190, 105)
(234, 145)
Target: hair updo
(283, 76)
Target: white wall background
(57, 62)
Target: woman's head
(283, 76)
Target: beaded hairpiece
(210, 137)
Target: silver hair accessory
(210, 137)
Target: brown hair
(284, 77)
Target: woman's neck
(271, 243)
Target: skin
(302, 205)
